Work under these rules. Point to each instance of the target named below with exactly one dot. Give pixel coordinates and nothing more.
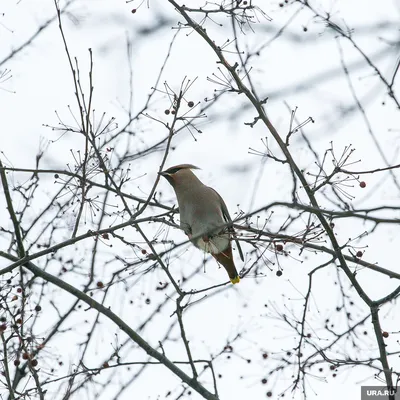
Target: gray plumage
(203, 216)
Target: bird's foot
(206, 238)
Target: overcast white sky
(300, 69)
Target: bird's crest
(176, 168)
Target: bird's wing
(186, 228)
(227, 218)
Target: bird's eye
(172, 171)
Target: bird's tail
(225, 258)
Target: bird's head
(179, 174)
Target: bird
(204, 216)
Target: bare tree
(102, 296)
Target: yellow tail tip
(236, 279)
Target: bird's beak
(167, 176)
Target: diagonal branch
(106, 311)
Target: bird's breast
(213, 244)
